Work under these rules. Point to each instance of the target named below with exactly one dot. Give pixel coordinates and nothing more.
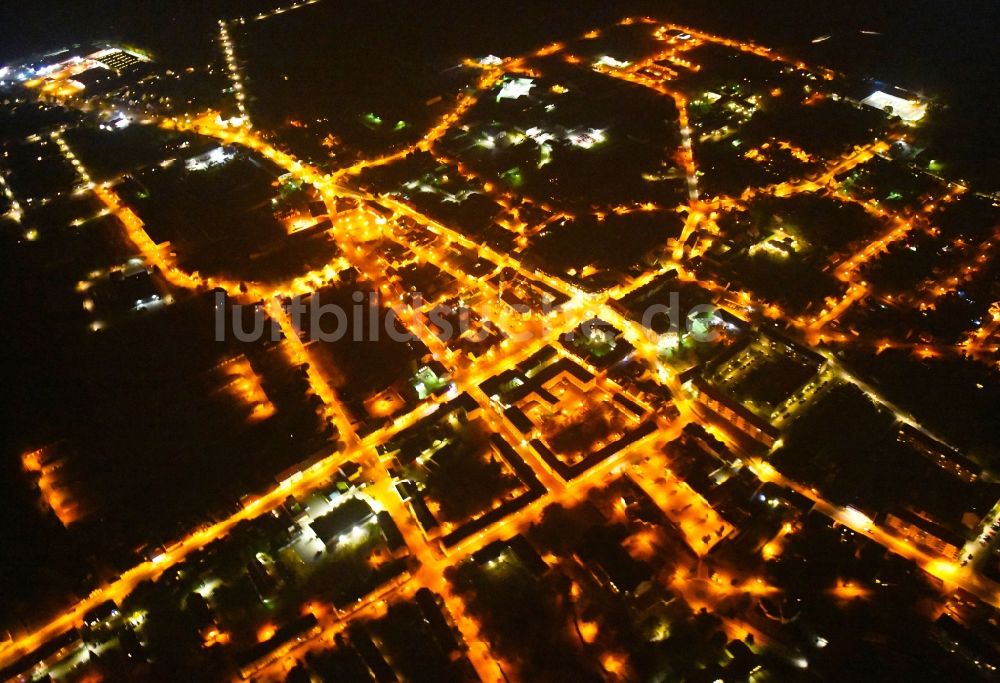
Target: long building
(733, 412)
(925, 533)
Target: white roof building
(908, 110)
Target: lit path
(632, 75)
(581, 306)
(461, 372)
(494, 256)
(284, 8)
(134, 228)
(950, 573)
(691, 224)
(432, 565)
(743, 46)
(847, 162)
(845, 271)
(944, 570)
(711, 592)
(431, 575)
(433, 562)
(899, 229)
(681, 103)
(813, 327)
(234, 71)
(489, 78)
(937, 286)
(979, 546)
(689, 165)
(304, 483)
(534, 335)
(333, 410)
(298, 484)
(15, 213)
(330, 190)
(919, 349)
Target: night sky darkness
(941, 47)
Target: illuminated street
(614, 359)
